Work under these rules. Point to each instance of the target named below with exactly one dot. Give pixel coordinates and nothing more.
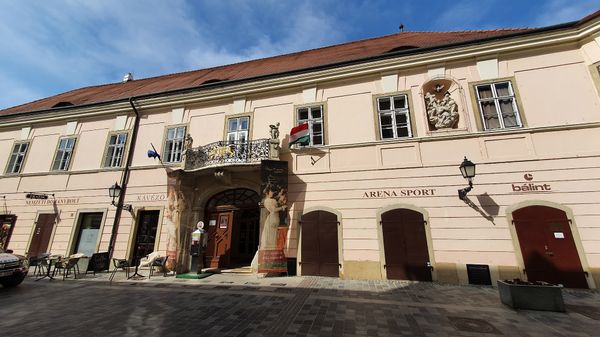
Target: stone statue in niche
(441, 113)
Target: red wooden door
(218, 250)
(41, 234)
(320, 244)
(405, 245)
(547, 246)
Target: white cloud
(561, 11)
(60, 45)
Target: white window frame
(174, 145)
(115, 152)
(393, 111)
(18, 153)
(311, 120)
(238, 135)
(65, 153)
(496, 99)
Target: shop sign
(410, 192)
(36, 196)
(57, 201)
(528, 186)
(152, 197)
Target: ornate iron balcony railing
(224, 153)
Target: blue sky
(49, 47)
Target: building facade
(373, 195)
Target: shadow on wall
(489, 208)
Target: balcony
(224, 153)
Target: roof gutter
(124, 178)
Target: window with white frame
(314, 117)
(237, 130)
(498, 105)
(63, 154)
(17, 158)
(394, 117)
(174, 144)
(115, 150)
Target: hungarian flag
(300, 135)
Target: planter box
(531, 297)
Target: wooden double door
(547, 246)
(233, 236)
(405, 245)
(319, 248)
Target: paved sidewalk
(244, 305)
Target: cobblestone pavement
(243, 305)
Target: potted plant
(536, 295)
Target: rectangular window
(17, 158)
(314, 117)
(63, 154)
(174, 144)
(237, 130)
(498, 105)
(394, 117)
(115, 150)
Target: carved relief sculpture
(441, 113)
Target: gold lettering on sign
(58, 201)
(418, 192)
(152, 197)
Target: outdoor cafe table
(51, 261)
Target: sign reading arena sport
(399, 193)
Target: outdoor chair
(66, 265)
(39, 263)
(119, 264)
(148, 260)
(160, 262)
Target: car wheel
(13, 281)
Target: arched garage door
(319, 248)
(405, 245)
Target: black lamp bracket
(462, 193)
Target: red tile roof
(346, 52)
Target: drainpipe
(124, 179)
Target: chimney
(128, 77)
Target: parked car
(13, 269)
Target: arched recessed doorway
(547, 246)
(233, 224)
(319, 244)
(405, 245)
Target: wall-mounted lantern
(467, 169)
(115, 193)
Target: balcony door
(237, 136)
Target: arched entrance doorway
(547, 246)
(405, 245)
(233, 219)
(319, 244)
